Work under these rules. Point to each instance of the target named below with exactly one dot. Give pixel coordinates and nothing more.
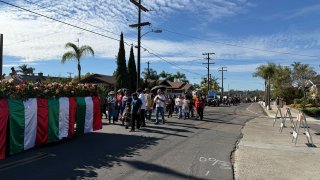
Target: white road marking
(207, 173)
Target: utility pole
(70, 73)
(1, 55)
(208, 58)
(139, 25)
(148, 73)
(148, 69)
(223, 69)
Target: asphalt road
(179, 149)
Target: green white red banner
(38, 121)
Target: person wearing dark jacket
(135, 111)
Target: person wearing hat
(112, 106)
(148, 104)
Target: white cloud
(32, 38)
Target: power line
(93, 32)
(235, 45)
(161, 58)
(73, 18)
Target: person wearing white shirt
(142, 97)
(178, 102)
(160, 105)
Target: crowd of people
(133, 109)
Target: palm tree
(76, 54)
(25, 70)
(180, 77)
(266, 72)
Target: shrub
(314, 112)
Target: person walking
(148, 104)
(120, 94)
(200, 105)
(160, 100)
(123, 106)
(170, 106)
(178, 102)
(127, 111)
(142, 120)
(112, 107)
(135, 111)
(185, 107)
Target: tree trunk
(79, 71)
(265, 93)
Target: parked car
(212, 101)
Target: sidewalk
(265, 153)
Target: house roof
(187, 87)
(176, 85)
(100, 78)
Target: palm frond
(70, 55)
(85, 50)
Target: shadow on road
(144, 166)
(79, 158)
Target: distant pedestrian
(142, 97)
(135, 111)
(178, 103)
(127, 113)
(124, 100)
(185, 107)
(112, 107)
(170, 106)
(160, 100)
(200, 105)
(120, 94)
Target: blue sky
(244, 34)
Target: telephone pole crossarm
(208, 58)
(223, 69)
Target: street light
(152, 30)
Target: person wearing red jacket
(200, 105)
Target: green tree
(180, 77)
(266, 72)
(302, 73)
(150, 75)
(76, 53)
(25, 70)
(121, 72)
(75, 78)
(132, 71)
(282, 82)
(166, 76)
(214, 85)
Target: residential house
(179, 88)
(108, 81)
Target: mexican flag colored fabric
(4, 114)
(39, 121)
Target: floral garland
(46, 90)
